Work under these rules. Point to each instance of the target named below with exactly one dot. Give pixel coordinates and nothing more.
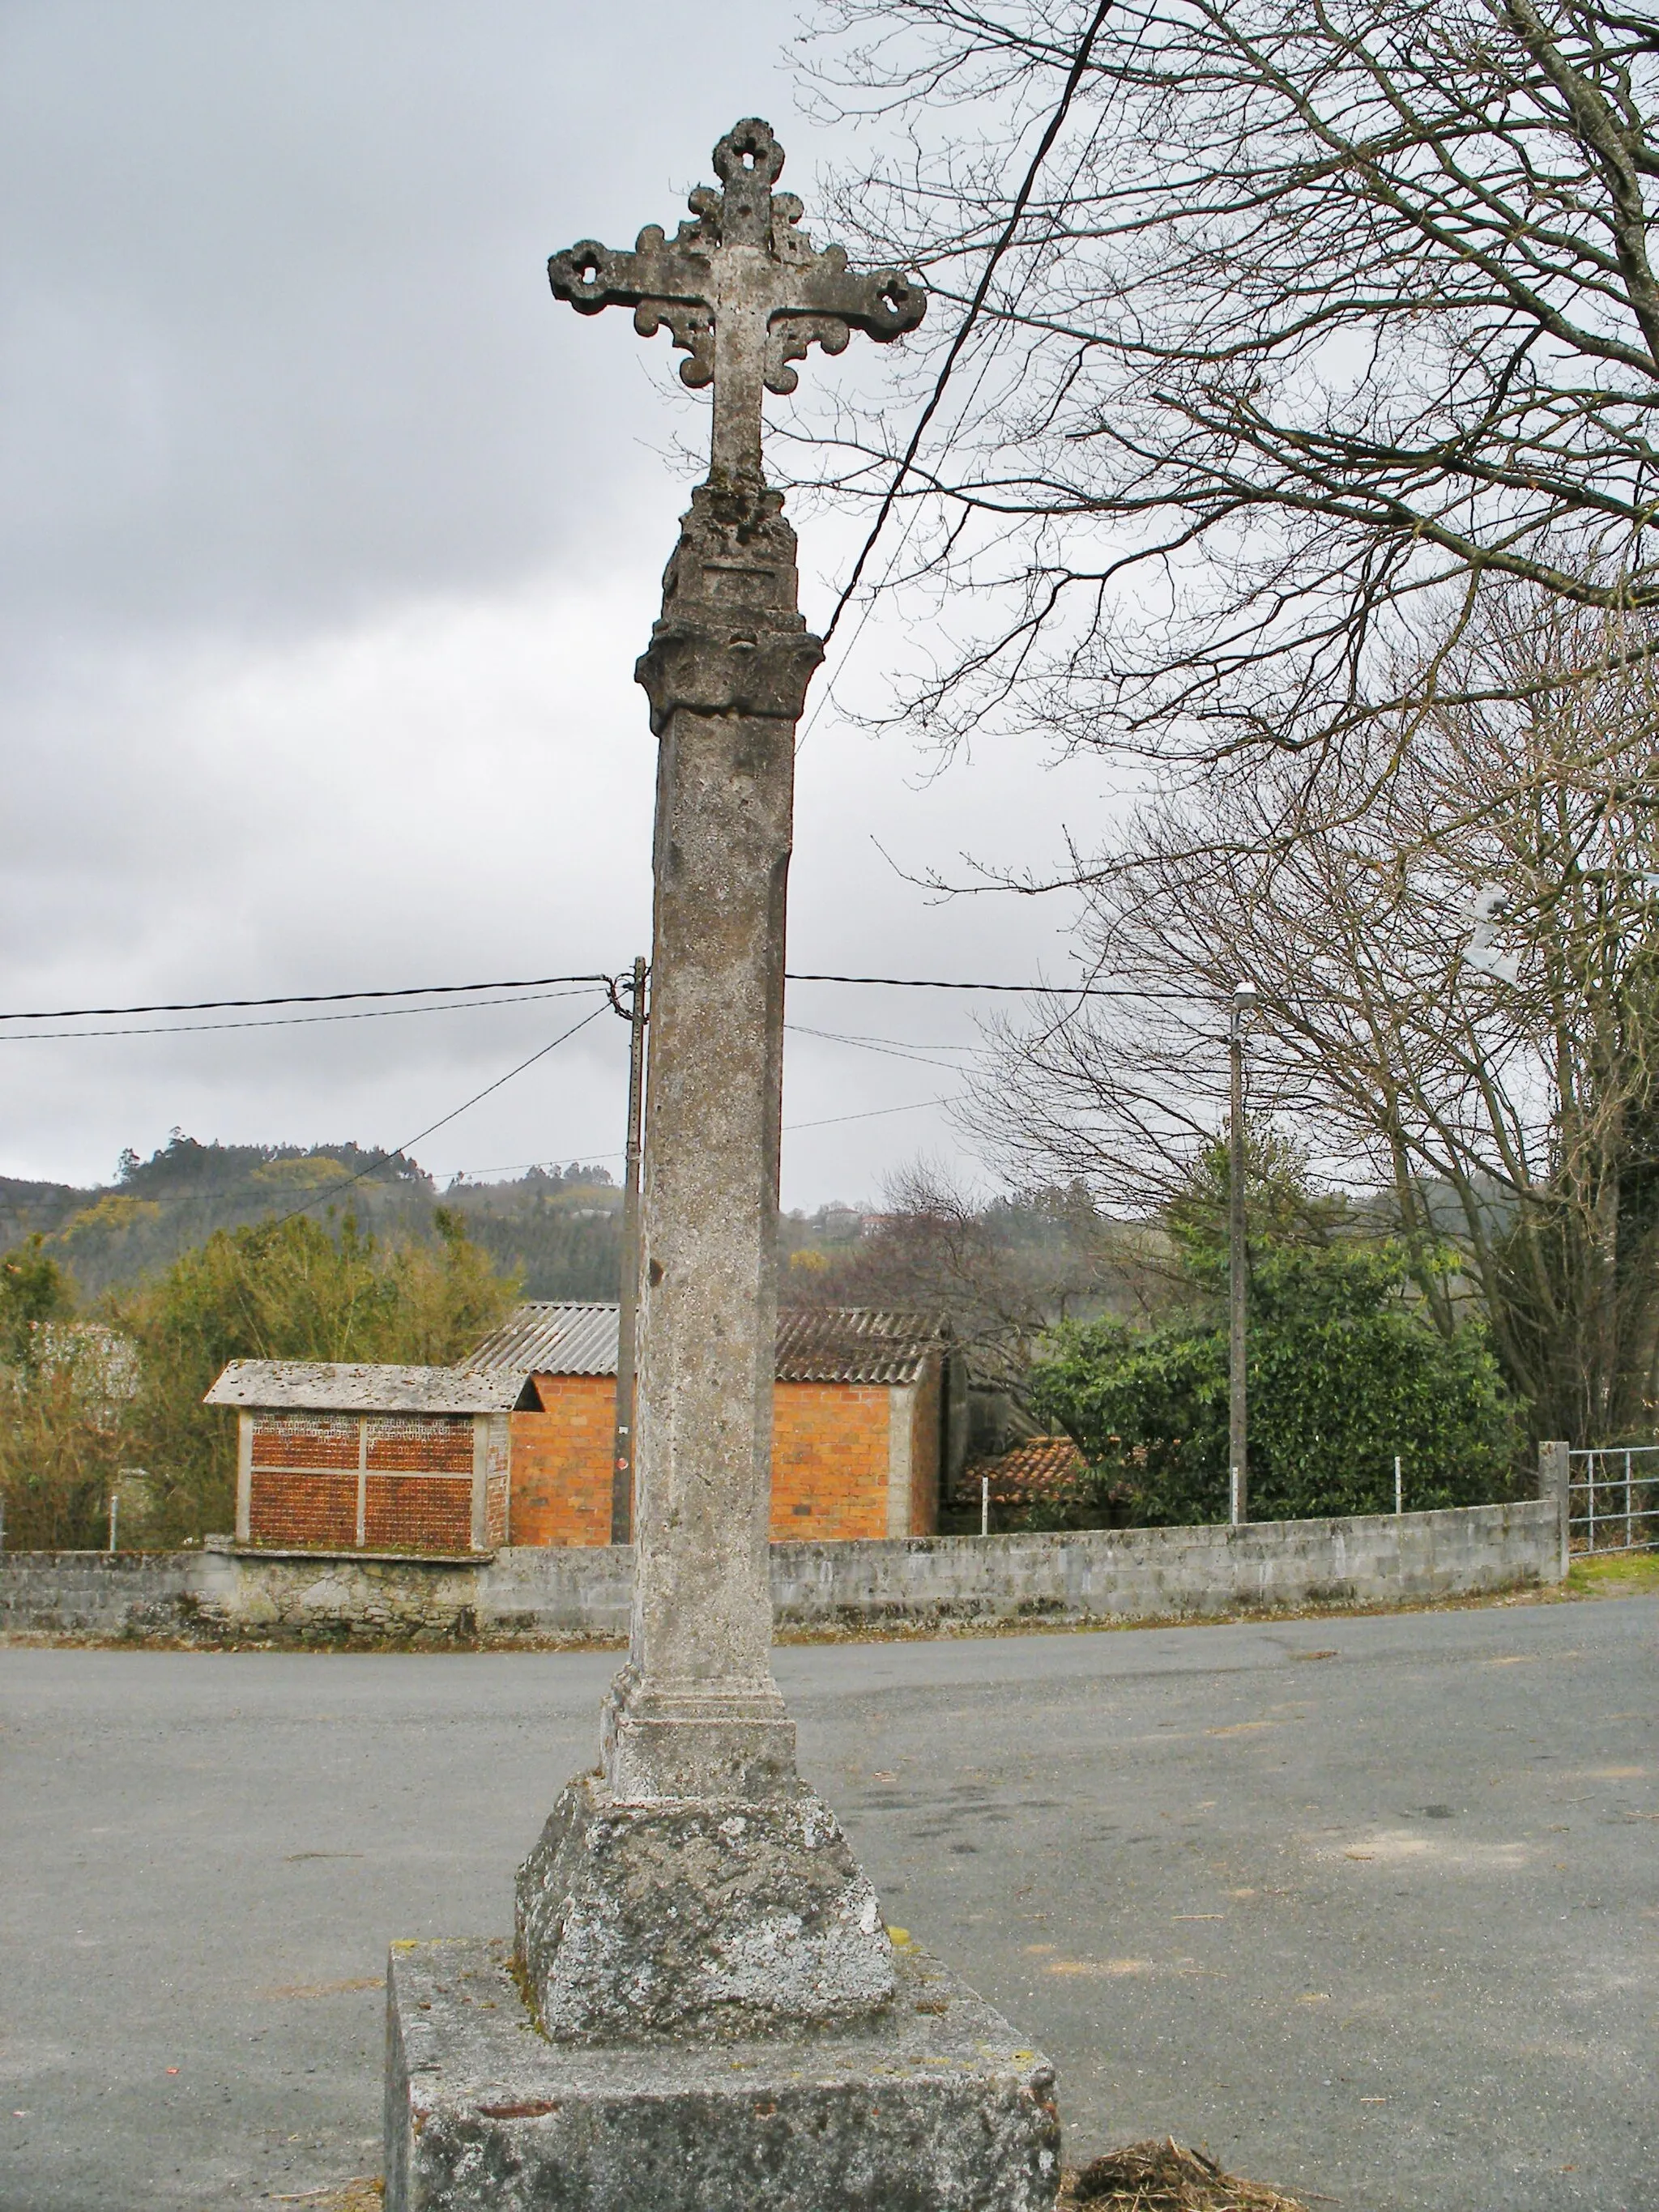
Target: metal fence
(1613, 1498)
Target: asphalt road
(1366, 1906)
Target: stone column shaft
(695, 1713)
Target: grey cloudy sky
(329, 543)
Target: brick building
(863, 1422)
(338, 1458)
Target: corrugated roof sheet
(851, 1344)
(830, 1344)
(317, 1386)
(553, 1337)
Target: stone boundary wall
(582, 1594)
(1169, 1574)
(94, 1594)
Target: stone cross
(741, 290)
(696, 1715)
(703, 2006)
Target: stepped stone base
(931, 2106)
(706, 1918)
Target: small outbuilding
(336, 1457)
(863, 1421)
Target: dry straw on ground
(1165, 2177)
(364, 2194)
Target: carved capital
(765, 675)
(730, 640)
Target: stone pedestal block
(930, 2104)
(722, 1918)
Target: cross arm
(828, 301)
(665, 284)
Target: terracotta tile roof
(1043, 1467)
(318, 1386)
(830, 1344)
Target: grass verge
(1618, 1574)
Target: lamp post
(1237, 1421)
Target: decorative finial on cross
(741, 290)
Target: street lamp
(1237, 1460)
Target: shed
(1041, 1470)
(338, 1457)
(859, 1421)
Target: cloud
(328, 544)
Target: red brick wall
(418, 1513)
(295, 1509)
(441, 1443)
(498, 1475)
(417, 1493)
(828, 1461)
(305, 1440)
(562, 1463)
(495, 1511)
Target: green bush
(88, 1409)
(1344, 1370)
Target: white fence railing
(1613, 1498)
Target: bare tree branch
(1347, 310)
(1457, 970)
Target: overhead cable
(1051, 131)
(279, 1021)
(393, 1152)
(526, 983)
(300, 999)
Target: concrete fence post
(1554, 1478)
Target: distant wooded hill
(560, 1228)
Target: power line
(279, 1022)
(873, 1114)
(392, 1151)
(1051, 131)
(301, 998)
(582, 1157)
(1040, 990)
(524, 983)
(890, 1049)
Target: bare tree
(1324, 315)
(1458, 977)
(1004, 1270)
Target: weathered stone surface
(581, 1595)
(698, 1892)
(933, 2105)
(731, 639)
(696, 1714)
(641, 1920)
(745, 294)
(741, 290)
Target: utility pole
(622, 1455)
(1237, 1407)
